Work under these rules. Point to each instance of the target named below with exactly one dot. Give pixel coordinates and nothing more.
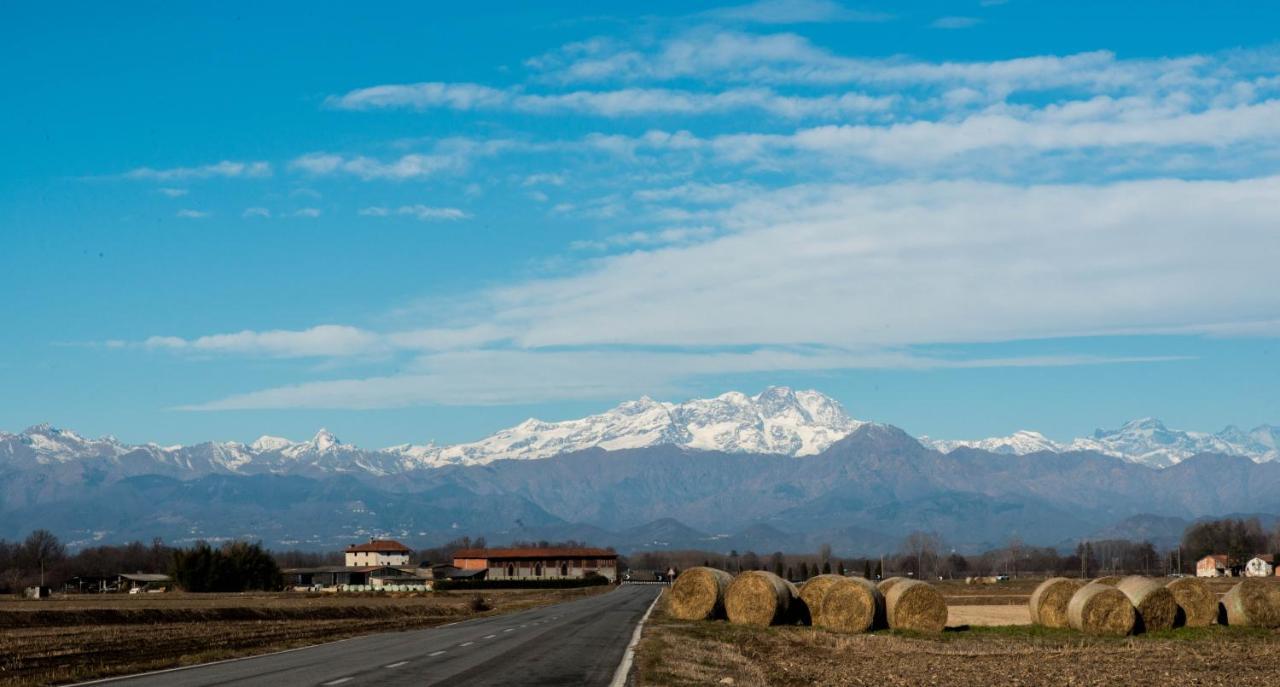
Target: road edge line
(624, 667)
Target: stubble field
(83, 637)
(989, 641)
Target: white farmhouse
(1262, 565)
(378, 552)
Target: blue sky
(408, 223)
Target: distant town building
(1262, 565)
(536, 563)
(377, 553)
(1213, 565)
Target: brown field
(83, 637)
(989, 641)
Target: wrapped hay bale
(760, 598)
(915, 605)
(1049, 601)
(851, 604)
(813, 591)
(887, 583)
(1098, 609)
(1110, 580)
(1156, 607)
(698, 594)
(1198, 603)
(1254, 602)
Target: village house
(537, 563)
(1262, 565)
(1213, 565)
(377, 553)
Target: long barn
(538, 563)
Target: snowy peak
(266, 443)
(1146, 441)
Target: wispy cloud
(191, 214)
(307, 212)
(173, 192)
(955, 22)
(421, 212)
(794, 12)
(256, 212)
(225, 169)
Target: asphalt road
(575, 643)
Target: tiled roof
(379, 546)
(534, 553)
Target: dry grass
(677, 653)
(80, 638)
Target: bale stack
(1198, 603)
(1110, 580)
(1049, 601)
(915, 605)
(698, 594)
(887, 583)
(1156, 607)
(760, 598)
(1098, 609)
(812, 593)
(851, 604)
(1253, 602)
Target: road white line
(510, 629)
(338, 681)
(489, 636)
(436, 653)
(624, 667)
(466, 644)
(396, 665)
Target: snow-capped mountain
(777, 420)
(1146, 441)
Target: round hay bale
(887, 583)
(760, 598)
(915, 605)
(1198, 603)
(812, 593)
(1156, 607)
(1110, 580)
(1254, 602)
(698, 594)
(851, 604)
(1049, 601)
(1098, 609)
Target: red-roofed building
(538, 563)
(378, 552)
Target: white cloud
(256, 212)
(324, 340)
(794, 12)
(173, 192)
(420, 212)
(411, 166)
(608, 103)
(225, 169)
(955, 22)
(544, 178)
(191, 214)
(836, 276)
(307, 212)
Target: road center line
(396, 665)
(466, 644)
(436, 653)
(489, 636)
(338, 681)
(510, 629)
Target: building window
(537, 570)
(564, 570)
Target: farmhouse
(378, 552)
(537, 563)
(1262, 565)
(337, 576)
(1213, 565)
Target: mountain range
(781, 470)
